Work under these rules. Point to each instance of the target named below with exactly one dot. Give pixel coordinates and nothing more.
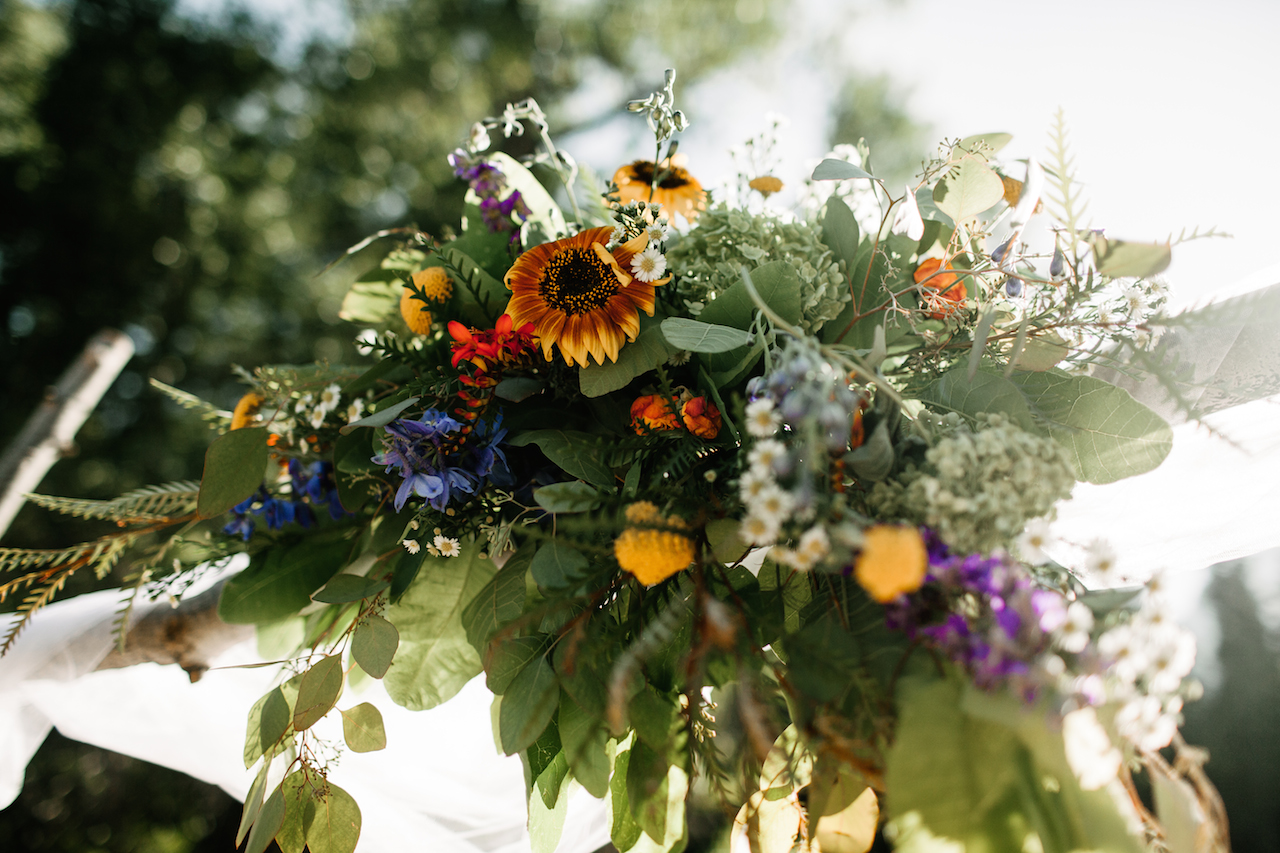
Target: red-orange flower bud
(941, 292)
(701, 417)
(652, 412)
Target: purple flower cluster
(489, 185)
(313, 485)
(986, 614)
(439, 459)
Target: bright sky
(1169, 104)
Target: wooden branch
(189, 635)
(50, 432)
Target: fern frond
(208, 411)
(13, 559)
(1196, 234)
(29, 606)
(1062, 181)
(148, 504)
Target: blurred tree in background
(181, 182)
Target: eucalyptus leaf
(343, 588)
(318, 692)
(840, 231)
(233, 469)
(995, 141)
(435, 660)
(969, 189)
(252, 804)
(333, 821)
(839, 170)
(380, 418)
(373, 645)
(697, 336)
(518, 388)
(500, 600)
(269, 719)
(546, 824)
(569, 497)
(269, 821)
(279, 581)
(586, 746)
(362, 728)
(984, 392)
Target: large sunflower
(577, 295)
(677, 192)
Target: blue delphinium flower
(438, 460)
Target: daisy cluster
(313, 409)
(801, 416)
(635, 218)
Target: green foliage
(373, 645)
(362, 728)
(649, 350)
(318, 692)
(233, 470)
(280, 581)
(578, 453)
(969, 189)
(697, 336)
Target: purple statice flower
(498, 205)
(985, 613)
(439, 461)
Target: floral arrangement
(723, 500)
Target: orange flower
(677, 192)
(701, 418)
(577, 295)
(893, 561)
(942, 292)
(246, 411)
(651, 413)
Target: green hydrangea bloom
(978, 488)
(709, 260)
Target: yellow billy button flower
(893, 561)
(435, 286)
(246, 411)
(653, 554)
(766, 185)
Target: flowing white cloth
(440, 784)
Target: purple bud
(1058, 264)
(1013, 286)
(999, 253)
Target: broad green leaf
(380, 418)
(343, 588)
(873, 460)
(985, 392)
(569, 497)
(504, 661)
(657, 793)
(252, 803)
(1042, 352)
(233, 469)
(968, 190)
(480, 297)
(518, 388)
(834, 786)
(435, 660)
(840, 231)
(696, 336)
(778, 285)
(270, 818)
(646, 352)
(579, 453)
(280, 580)
(1117, 258)
(362, 728)
(318, 692)
(546, 824)
(269, 718)
(545, 219)
(557, 565)
(624, 831)
(333, 821)
(1108, 434)
(586, 746)
(824, 657)
(550, 781)
(292, 837)
(652, 715)
(371, 301)
(500, 600)
(528, 705)
(839, 170)
(373, 645)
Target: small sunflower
(677, 191)
(577, 295)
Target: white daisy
(763, 418)
(1101, 563)
(411, 545)
(758, 531)
(1145, 724)
(1126, 650)
(658, 230)
(1073, 634)
(304, 403)
(1033, 540)
(446, 546)
(317, 417)
(773, 504)
(649, 265)
(753, 483)
(330, 396)
(1171, 660)
(355, 411)
(766, 455)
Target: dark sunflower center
(674, 179)
(576, 281)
